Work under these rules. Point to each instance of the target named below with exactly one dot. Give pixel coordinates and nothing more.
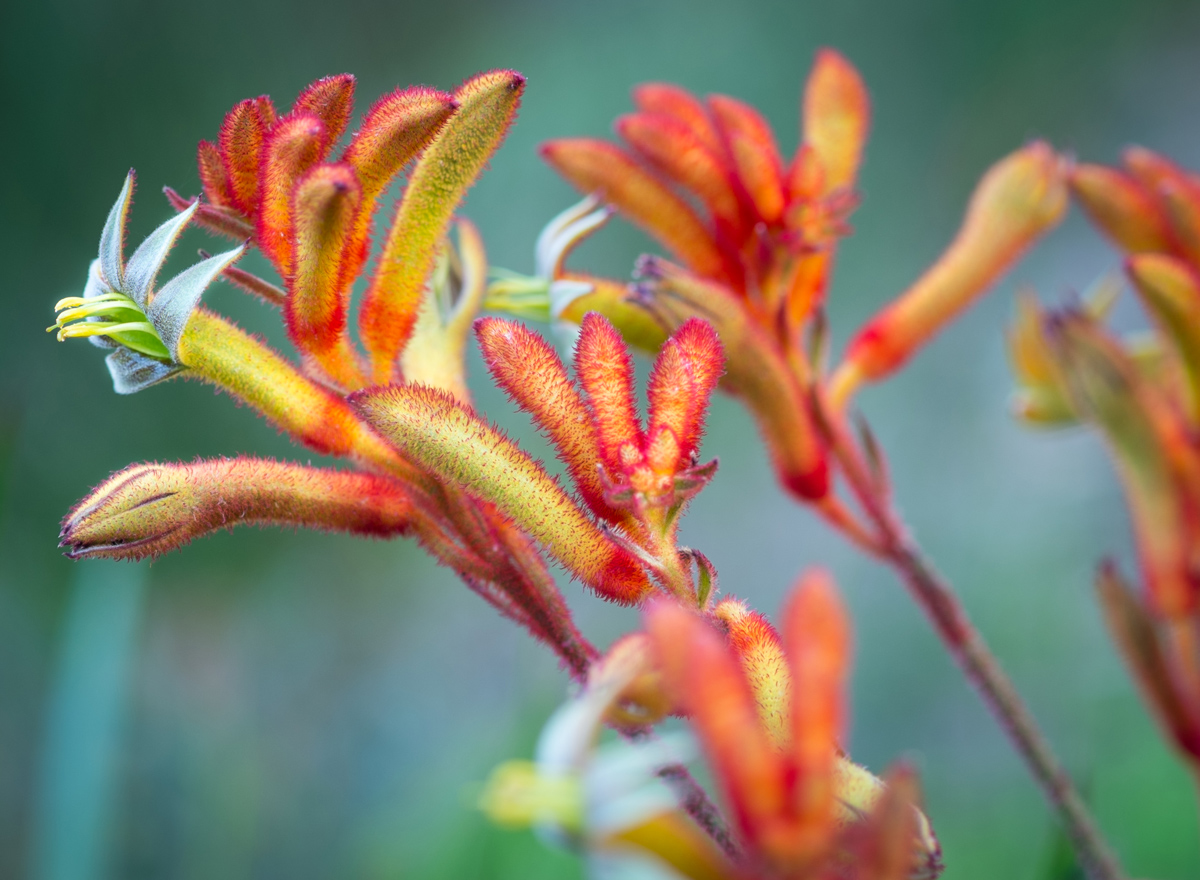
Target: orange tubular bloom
(633, 478)
(769, 712)
(1018, 200)
(765, 241)
(755, 238)
(273, 180)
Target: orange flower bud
(240, 142)
(1171, 293)
(330, 99)
(325, 206)
(751, 146)
(447, 168)
(1017, 201)
(1121, 207)
(291, 148)
(837, 114)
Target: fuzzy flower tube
(750, 240)
(306, 194)
(737, 304)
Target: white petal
(547, 253)
(623, 766)
(628, 811)
(95, 282)
(113, 236)
(568, 737)
(148, 259)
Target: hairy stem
(983, 670)
(700, 807)
(945, 610)
(693, 798)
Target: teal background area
(309, 706)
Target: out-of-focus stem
(944, 609)
(700, 807)
(834, 511)
(984, 672)
(694, 799)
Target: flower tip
(811, 485)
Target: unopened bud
(149, 509)
(1016, 202)
(1121, 207)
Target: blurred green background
(311, 706)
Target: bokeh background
(270, 704)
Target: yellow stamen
(102, 328)
(110, 314)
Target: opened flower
(122, 310)
(768, 712)
(608, 801)
(752, 240)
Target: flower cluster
(768, 714)
(1143, 393)
(754, 240)
(280, 183)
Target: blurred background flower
(311, 705)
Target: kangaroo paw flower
(122, 309)
(768, 712)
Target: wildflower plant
(1140, 392)
(739, 306)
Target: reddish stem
(945, 610)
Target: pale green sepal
(172, 306)
(148, 259)
(131, 371)
(518, 295)
(113, 237)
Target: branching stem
(944, 609)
